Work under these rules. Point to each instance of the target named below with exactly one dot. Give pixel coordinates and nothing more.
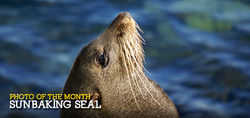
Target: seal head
(111, 67)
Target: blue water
(197, 50)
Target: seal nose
(124, 14)
(122, 18)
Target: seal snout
(124, 18)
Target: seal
(111, 69)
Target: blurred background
(197, 50)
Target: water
(197, 50)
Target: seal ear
(96, 97)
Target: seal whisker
(137, 26)
(146, 87)
(126, 68)
(132, 46)
(133, 70)
(144, 61)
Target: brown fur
(124, 89)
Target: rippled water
(197, 50)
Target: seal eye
(102, 59)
